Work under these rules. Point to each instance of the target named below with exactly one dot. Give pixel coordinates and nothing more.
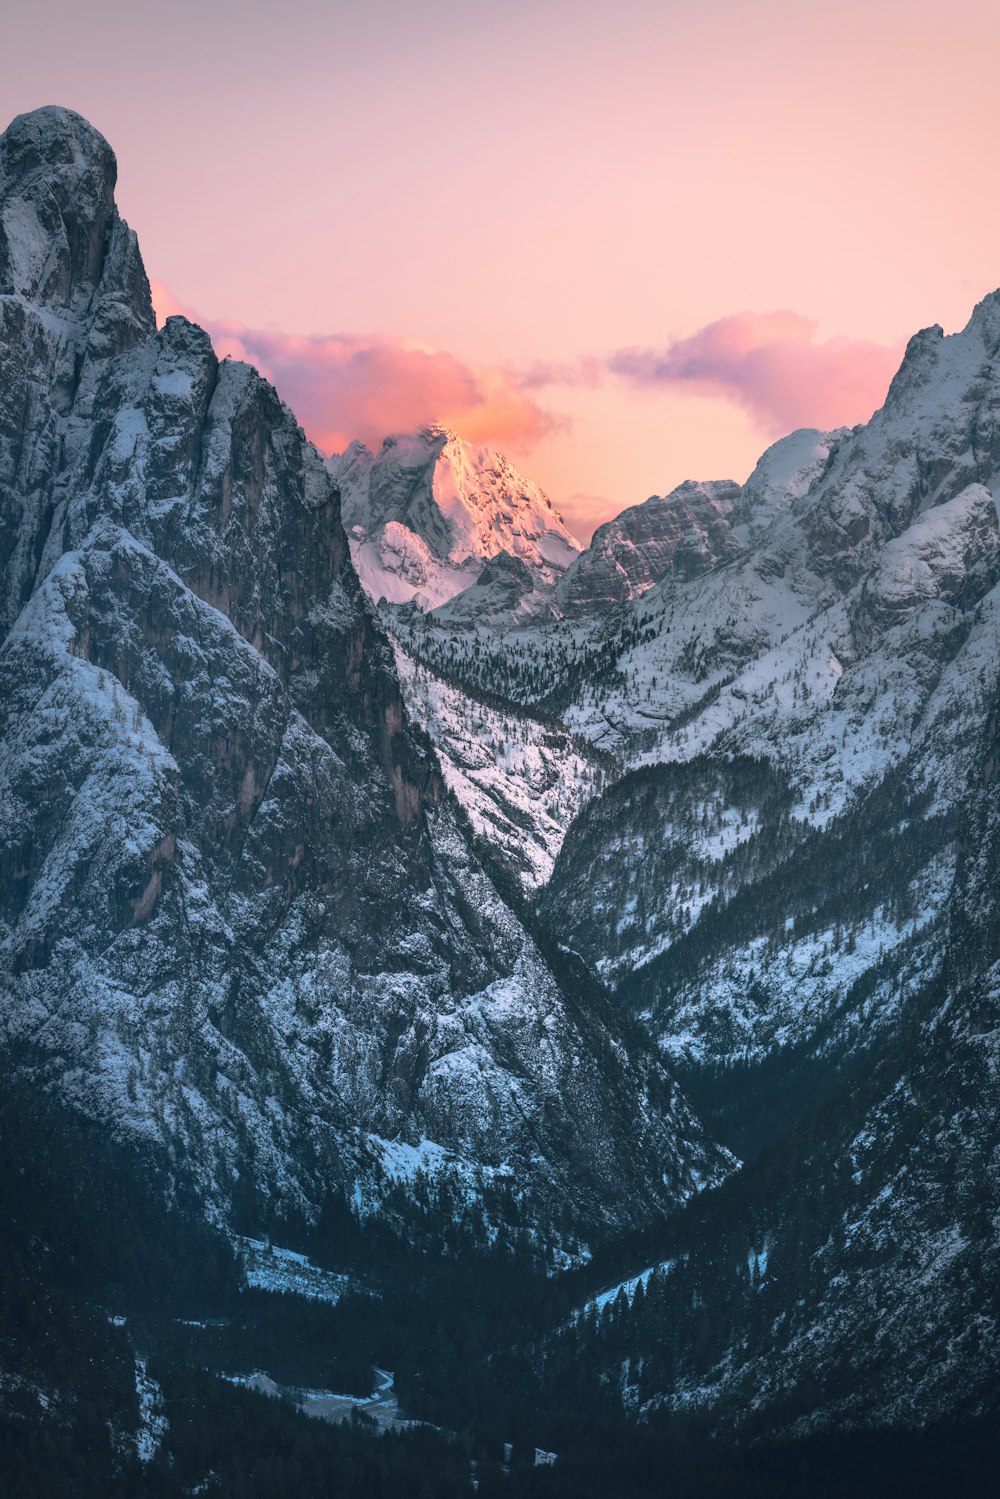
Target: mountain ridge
(670, 924)
(771, 883)
(222, 838)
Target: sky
(629, 243)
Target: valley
(566, 977)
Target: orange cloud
(772, 365)
(347, 385)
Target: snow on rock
(951, 552)
(683, 533)
(381, 1406)
(396, 564)
(428, 509)
(238, 919)
(153, 1424)
(504, 591)
(785, 472)
(625, 1288)
(520, 779)
(286, 1272)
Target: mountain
(578, 998)
(850, 1276)
(425, 512)
(820, 699)
(773, 883)
(685, 532)
(242, 920)
(677, 538)
(519, 776)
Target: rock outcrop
(239, 919)
(681, 535)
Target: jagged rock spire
(61, 237)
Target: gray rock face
(681, 534)
(938, 432)
(783, 475)
(238, 918)
(503, 592)
(397, 485)
(59, 218)
(73, 293)
(950, 555)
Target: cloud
(773, 366)
(165, 304)
(585, 373)
(347, 385)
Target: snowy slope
(842, 631)
(783, 475)
(750, 781)
(520, 779)
(782, 890)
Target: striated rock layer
(680, 534)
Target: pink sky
(631, 244)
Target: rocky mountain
(469, 942)
(773, 886)
(783, 475)
(425, 512)
(683, 533)
(850, 1275)
(845, 662)
(242, 921)
(520, 777)
(674, 539)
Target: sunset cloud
(586, 373)
(343, 386)
(349, 385)
(165, 304)
(773, 366)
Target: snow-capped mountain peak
(425, 512)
